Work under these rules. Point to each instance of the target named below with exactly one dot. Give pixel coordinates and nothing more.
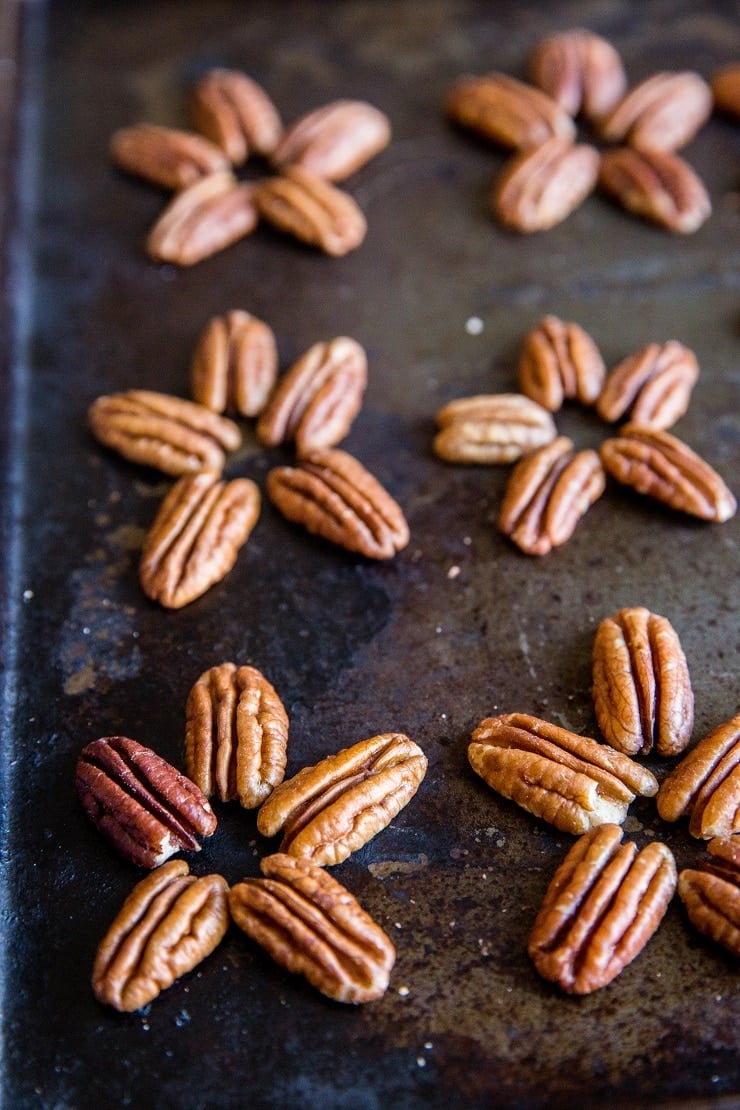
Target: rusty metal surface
(353, 648)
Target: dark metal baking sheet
(353, 648)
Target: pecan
(235, 364)
(140, 802)
(168, 925)
(705, 786)
(202, 220)
(725, 85)
(604, 903)
(332, 495)
(302, 204)
(656, 185)
(663, 112)
(312, 926)
(165, 155)
(328, 811)
(507, 111)
(548, 493)
(652, 386)
(560, 362)
(541, 186)
(641, 686)
(659, 465)
(712, 904)
(196, 536)
(168, 433)
(319, 397)
(334, 141)
(569, 780)
(580, 70)
(235, 113)
(236, 735)
(491, 428)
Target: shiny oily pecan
(571, 781)
(491, 428)
(663, 112)
(657, 464)
(539, 187)
(604, 903)
(313, 210)
(165, 156)
(332, 495)
(236, 735)
(559, 362)
(652, 386)
(328, 811)
(705, 786)
(168, 925)
(581, 71)
(711, 893)
(196, 536)
(164, 432)
(236, 114)
(140, 802)
(235, 364)
(725, 85)
(657, 185)
(548, 492)
(506, 111)
(316, 401)
(334, 141)
(203, 219)
(641, 686)
(312, 926)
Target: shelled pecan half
(540, 186)
(236, 114)
(560, 361)
(491, 428)
(165, 156)
(506, 111)
(203, 219)
(664, 112)
(235, 364)
(581, 71)
(313, 210)
(334, 141)
(711, 893)
(657, 185)
(705, 785)
(652, 386)
(725, 85)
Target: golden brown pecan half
(580, 70)
(319, 397)
(652, 386)
(539, 187)
(547, 494)
(312, 926)
(306, 206)
(334, 141)
(196, 536)
(235, 364)
(641, 686)
(663, 112)
(235, 113)
(161, 431)
(659, 465)
(705, 786)
(236, 735)
(560, 362)
(725, 85)
(165, 155)
(713, 906)
(569, 780)
(656, 185)
(202, 220)
(328, 811)
(507, 111)
(332, 495)
(604, 903)
(168, 925)
(140, 802)
(491, 428)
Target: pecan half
(604, 903)
(560, 362)
(663, 112)
(312, 926)
(235, 113)
(236, 735)
(705, 786)
(164, 432)
(491, 428)
(570, 781)
(235, 364)
(196, 536)
(659, 465)
(725, 85)
(334, 141)
(539, 187)
(656, 185)
(507, 111)
(169, 923)
(547, 494)
(306, 206)
(652, 386)
(203, 219)
(328, 811)
(165, 155)
(332, 495)
(319, 397)
(580, 70)
(140, 802)
(641, 686)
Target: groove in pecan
(506, 111)
(656, 185)
(705, 786)
(725, 85)
(540, 187)
(560, 361)
(203, 219)
(235, 364)
(235, 113)
(164, 155)
(318, 213)
(491, 428)
(334, 141)
(652, 386)
(581, 71)
(663, 112)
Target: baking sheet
(457, 627)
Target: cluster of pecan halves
(579, 74)
(553, 485)
(236, 735)
(234, 119)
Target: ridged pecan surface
(539, 187)
(560, 361)
(313, 210)
(335, 140)
(711, 893)
(705, 786)
(663, 112)
(203, 219)
(657, 185)
(507, 111)
(580, 70)
(165, 156)
(235, 364)
(491, 428)
(652, 386)
(235, 113)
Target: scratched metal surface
(354, 648)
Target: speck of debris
(453, 572)
(474, 325)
